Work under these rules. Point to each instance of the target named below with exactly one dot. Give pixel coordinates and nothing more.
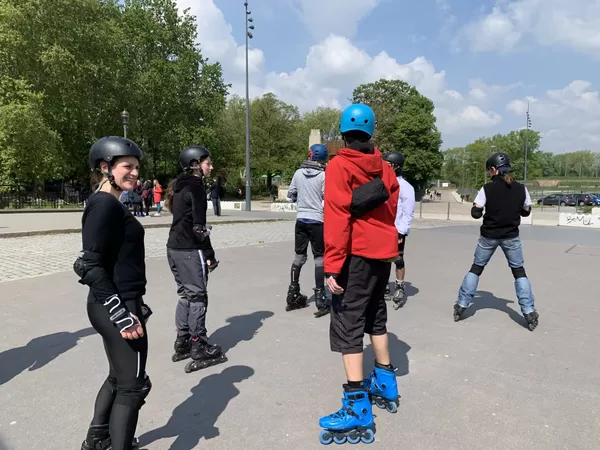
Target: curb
(18, 234)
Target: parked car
(557, 199)
(587, 200)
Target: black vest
(503, 206)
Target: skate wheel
(368, 437)
(174, 358)
(339, 439)
(325, 437)
(380, 403)
(392, 407)
(354, 437)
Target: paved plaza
(483, 383)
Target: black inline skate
(204, 355)
(98, 438)
(183, 348)
(399, 296)
(295, 299)
(533, 319)
(458, 312)
(321, 302)
(388, 295)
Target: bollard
(421, 209)
(448, 217)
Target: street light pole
(125, 118)
(526, 144)
(249, 36)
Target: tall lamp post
(125, 117)
(526, 144)
(249, 26)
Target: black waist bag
(368, 197)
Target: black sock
(382, 366)
(356, 385)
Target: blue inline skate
(383, 388)
(352, 423)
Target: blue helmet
(358, 117)
(318, 152)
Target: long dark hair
(169, 193)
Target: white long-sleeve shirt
(406, 207)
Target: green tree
(275, 147)
(325, 119)
(405, 123)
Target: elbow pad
(476, 212)
(525, 212)
(88, 266)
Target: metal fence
(52, 196)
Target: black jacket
(189, 212)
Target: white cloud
(339, 17)
(568, 118)
(326, 81)
(573, 24)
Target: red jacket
(373, 235)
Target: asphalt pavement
(483, 383)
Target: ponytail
(169, 195)
(508, 178)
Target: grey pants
(191, 275)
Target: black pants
(216, 206)
(361, 308)
(137, 208)
(308, 233)
(123, 393)
(147, 205)
(191, 276)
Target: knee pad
(477, 270)
(399, 262)
(319, 261)
(300, 260)
(134, 396)
(518, 272)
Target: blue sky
(479, 62)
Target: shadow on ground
(487, 300)
(398, 356)
(196, 417)
(238, 329)
(38, 352)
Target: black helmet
(394, 158)
(499, 161)
(110, 147)
(191, 154)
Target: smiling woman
(112, 264)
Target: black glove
(213, 265)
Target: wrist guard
(476, 212)
(146, 311)
(119, 315)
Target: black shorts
(309, 232)
(361, 308)
(401, 244)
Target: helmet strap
(111, 179)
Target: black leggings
(123, 393)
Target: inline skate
(352, 423)
(98, 438)
(204, 355)
(533, 320)
(321, 302)
(383, 388)
(183, 348)
(295, 299)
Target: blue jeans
(514, 256)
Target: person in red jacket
(361, 242)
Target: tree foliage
(465, 166)
(405, 123)
(63, 86)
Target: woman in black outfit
(191, 258)
(112, 265)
